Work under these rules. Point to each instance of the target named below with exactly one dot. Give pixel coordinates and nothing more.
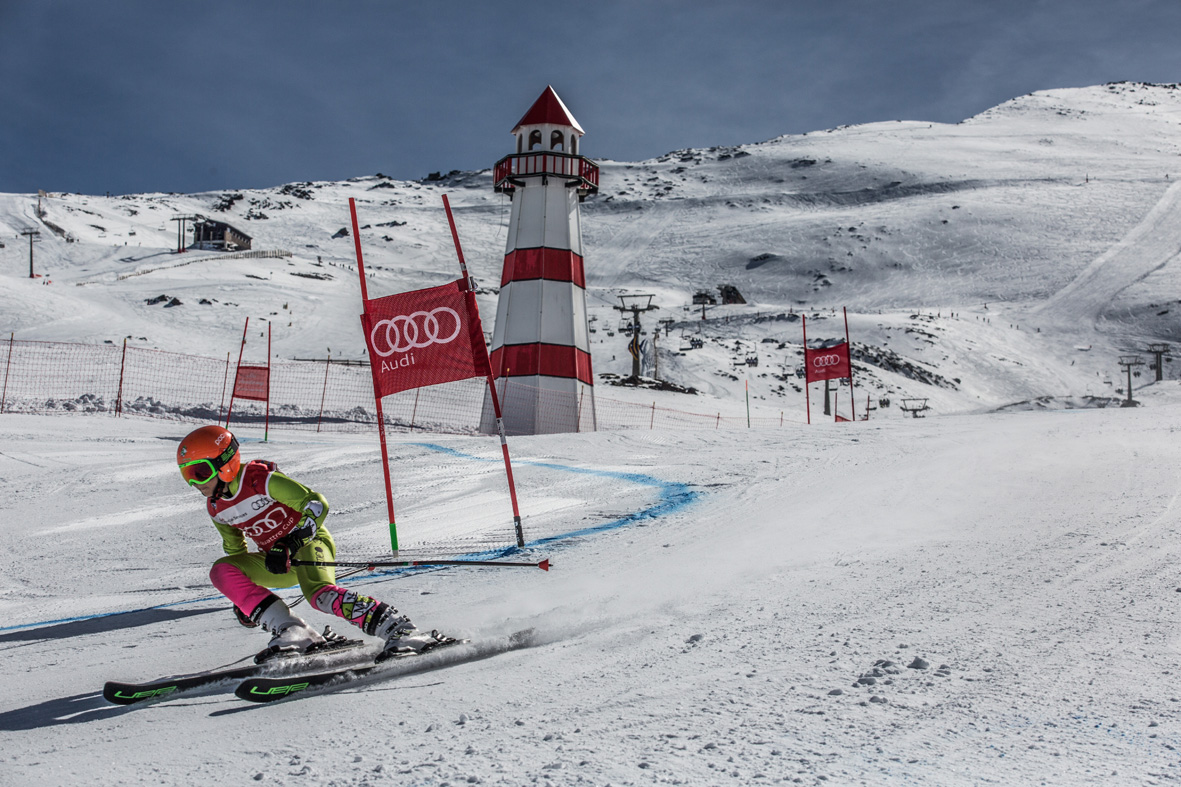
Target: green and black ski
(454, 652)
(130, 693)
(121, 693)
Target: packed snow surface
(984, 595)
(771, 630)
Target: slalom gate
(42, 377)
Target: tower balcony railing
(576, 169)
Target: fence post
(414, 411)
(327, 364)
(267, 427)
(233, 390)
(718, 423)
(223, 389)
(652, 423)
(122, 367)
(8, 363)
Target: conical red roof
(548, 109)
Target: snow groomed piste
(672, 497)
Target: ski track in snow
(1028, 558)
(1149, 246)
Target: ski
(121, 693)
(270, 689)
(264, 689)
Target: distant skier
(285, 519)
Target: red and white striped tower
(541, 343)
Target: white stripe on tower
(540, 343)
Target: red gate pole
(7, 364)
(849, 349)
(508, 465)
(225, 379)
(119, 396)
(327, 365)
(266, 429)
(236, 369)
(385, 456)
(807, 401)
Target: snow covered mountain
(1045, 224)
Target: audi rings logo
(414, 331)
(826, 360)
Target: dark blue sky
(153, 95)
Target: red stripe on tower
(550, 360)
(552, 264)
(541, 341)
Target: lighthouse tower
(541, 344)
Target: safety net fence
(46, 377)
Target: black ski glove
(278, 557)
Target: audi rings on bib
(826, 360)
(413, 332)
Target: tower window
(557, 141)
(574, 144)
(534, 139)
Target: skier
(285, 519)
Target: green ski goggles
(199, 471)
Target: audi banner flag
(424, 337)
(253, 382)
(828, 363)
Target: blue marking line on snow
(673, 497)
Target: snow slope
(1054, 209)
(1029, 559)
(984, 598)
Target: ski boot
(290, 636)
(401, 637)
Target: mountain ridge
(1002, 212)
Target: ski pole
(543, 565)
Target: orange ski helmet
(208, 451)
